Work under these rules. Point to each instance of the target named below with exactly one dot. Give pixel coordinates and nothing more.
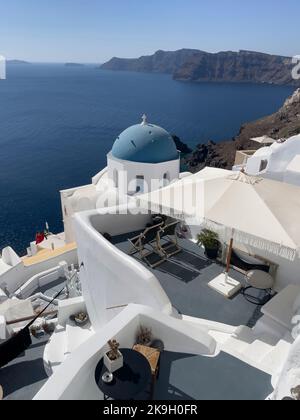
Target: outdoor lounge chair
(150, 237)
(168, 240)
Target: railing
(29, 318)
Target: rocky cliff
(283, 124)
(200, 66)
(160, 62)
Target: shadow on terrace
(185, 277)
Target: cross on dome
(144, 118)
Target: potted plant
(113, 359)
(144, 336)
(48, 327)
(80, 319)
(210, 241)
(36, 330)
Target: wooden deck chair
(150, 237)
(168, 240)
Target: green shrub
(208, 239)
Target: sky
(93, 31)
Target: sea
(57, 124)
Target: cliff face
(241, 67)
(160, 62)
(200, 66)
(283, 124)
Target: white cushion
(280, 308)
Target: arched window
(140, 179)
(116, 178)
(263, 165)
(166, 179)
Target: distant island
(17, 62)
(74, 64)
(200, 66)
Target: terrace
(185, 278)
(183, 374)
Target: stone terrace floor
(185, 278)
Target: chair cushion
(280, 308)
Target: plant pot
(113, 365)
(212, 253)
(79, 322)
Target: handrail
(117, 306)
(28, 318)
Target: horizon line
(146, 54)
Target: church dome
(145, 143)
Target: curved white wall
(74, 379)
(279, 156)
(110, 277)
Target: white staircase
(63, 342)
(264, 352)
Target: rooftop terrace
(185, 278)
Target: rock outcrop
(282, 124)
(200, 66)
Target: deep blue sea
(57, 124)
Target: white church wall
(128, 172)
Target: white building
(280, 161)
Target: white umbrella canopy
(263, 140)
(259, 212)
(183, 198)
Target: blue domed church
(144, 157)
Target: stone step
(76, 335)
(240, 340)
(274, 360)
(258, 350)
(54, 353)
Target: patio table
(260, 280)
(129, 381)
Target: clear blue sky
(96, 30)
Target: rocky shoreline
(282, 124)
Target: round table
(260, 280)
(129, 381)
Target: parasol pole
(229, 254)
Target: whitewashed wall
(109, 276)
(133, 169)
(74, 379)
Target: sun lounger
(168, 240)
(148, 239)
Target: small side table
(260, 280)
(129, 381)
